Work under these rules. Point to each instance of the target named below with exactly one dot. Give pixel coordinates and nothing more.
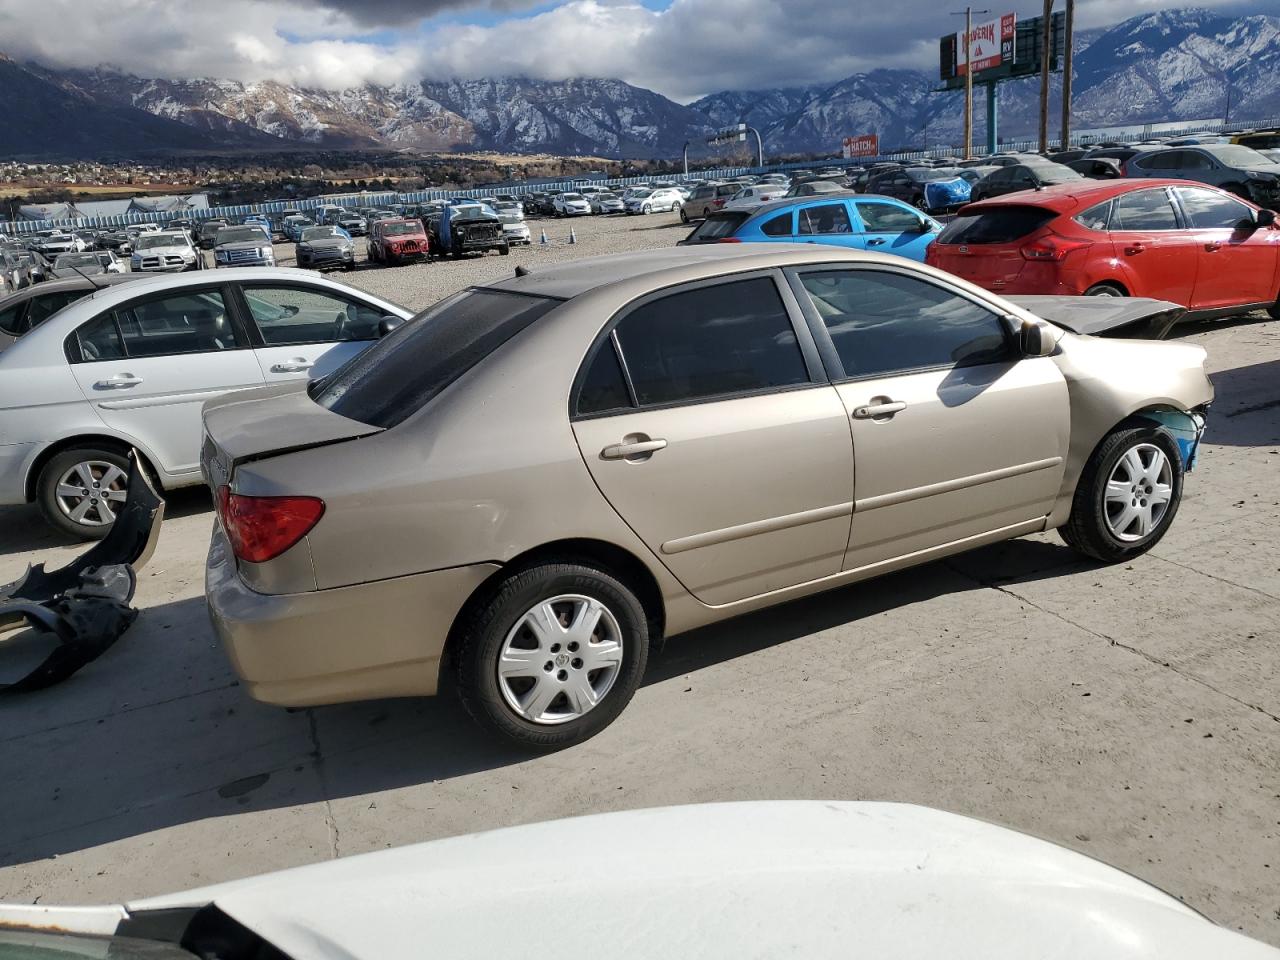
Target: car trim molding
(947, 486)
(743, 530)
(168, 399)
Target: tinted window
(1143, 210)
(1206, 209)
(886, 218)
(42, 308)
(718, 225)
(1096, 217)
(603, 387)
(1165, 160)
(885, 322)
(824, 218)
(183, 323)
(711, 341)
(1194, 160)
(404, 370)
(9, 319)
(1001, 225)
(779, 226)
(99, 339)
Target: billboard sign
(990, 44)
(867, 145)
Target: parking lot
(1130, 712)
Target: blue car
(856, 221)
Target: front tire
(1127, 496)
(552, 655)
(80, 490)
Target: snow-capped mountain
(1173, 65)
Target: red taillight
(1052, 248)
(262, 528)
(728, 240)
(718, 203)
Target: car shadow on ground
(1246, 408)
(157, 732)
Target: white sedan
(571, 205)
(748, 198)
(131, 366)
(655, 201)
(818, 881)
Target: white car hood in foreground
(749, 880)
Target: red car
(397, 241)
(1168, 239)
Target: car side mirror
(1265, 218)
(1036, 339)
(387, 324)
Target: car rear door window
(1208, 210)
(1144, 210)
(823, 218)
(604, 386)
(886, 217)
(291, 314)
(99, 339)
(779, 226)
(192, 322)
(882, 323)
(711, 341)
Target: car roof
(62, 284)
(568, 280)
(1076, 193)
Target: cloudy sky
(681, 48)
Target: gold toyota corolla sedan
(525, 486)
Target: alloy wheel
(90, 492)
(1138, 492)
(560, 660)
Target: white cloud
(691, 48)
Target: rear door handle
(118, 381)
(632, 448)
(296, 365)
(879, 411)
(875, 241)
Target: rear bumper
(363, 642)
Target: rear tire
(1105, 290)
(502, 623)
(684, 217)
(1097, 527)
(87, 462)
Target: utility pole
(1068, 40)
(968, 78)
(1046, 42)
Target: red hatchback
(1169, 239)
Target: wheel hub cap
(1138, 492)
(90, 492)
(560, 660)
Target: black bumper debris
(85, 605)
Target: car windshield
(319, 233)
(1245, 158)
(238, 235)
(926, 174)
(641, 193)
(399, 229)
(403, 371)
(571, 196)
(148, 241)
(76, 260)
(1057, 172)
(471, 213)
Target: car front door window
(886, 218)
(290, 314)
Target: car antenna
(96, 285)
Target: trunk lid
(263, 422)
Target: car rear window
(402, 372)
(717, 226)
(1002, 225)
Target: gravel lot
(420, 285)
(1128, 712)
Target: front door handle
(118, 381)
(880, 408)
(1133, 249)
(296, 365)
(1213, 246)
(635, 447)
